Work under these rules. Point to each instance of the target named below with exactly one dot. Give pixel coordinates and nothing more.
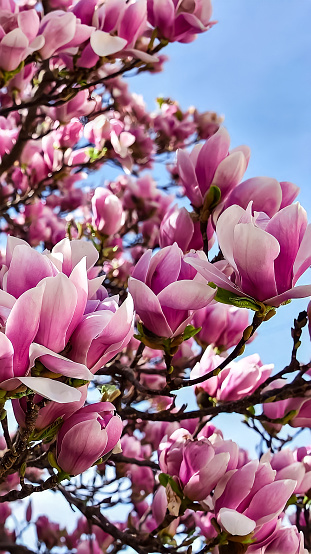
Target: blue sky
(253, 67)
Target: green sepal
(166, 479)
(109, 393)
(76, 383)
(227, 297)
(291, 501)
(190, 331)
(211, 200)
(48, 433)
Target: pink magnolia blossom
(62, 32)
(81, 105)
(180, 21)
(102, 334)
(108, 216)
(235, 381)
(86, 436)
(285, 540)
(212, 164)
(165, 293)
(267, 194)
(48, 531)
(222, 325)
(281, 408)
(118, 25)
(287, 466)
(249, 499)
(194, 463)
(49, 413)
(178, 226)
(266, 256)
(18, 37)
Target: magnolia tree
(116, 296)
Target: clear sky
(253, 67)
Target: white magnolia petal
(235, 523)
(104, 44)
(51, 389)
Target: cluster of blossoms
(110, 301)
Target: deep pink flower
(222, 325)
(107, 211)
(266, 256)
(212, 164)
(165, 293)
(86, 436)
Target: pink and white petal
(265, 193)
(235, 523)
(186, 170)
(83, 249)
(213, 274)
(144, 56)
(303, 258)
(289, 192)
(254, 253)
(142, 266)
(186, 295)
(79, 279)
(297, 292)
(270, 500)
(27, 268)
(149, 308)
(57, 363)
(104, 44)
(203, 482)
(6, 358)
(211, 154)
(93, 285)
(288, 227)
(22, 326)
(225, 229)
(58, 306)
(48, 388)
(114, 429)
(90, 327)
(12, 242)
(229, 173)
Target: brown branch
(27, 490)
(120, 459)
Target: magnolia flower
(265, 256)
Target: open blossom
(250, 499)
(86, 436)
(266, 256)
(290, 465)
(62, 32)
(267, 194)
(180, 21)
(165, 293)
(235, 381)
(195, 463)
(117, 25)
(42, 303)
(212, 164)
(222, 325)
(18, 37)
